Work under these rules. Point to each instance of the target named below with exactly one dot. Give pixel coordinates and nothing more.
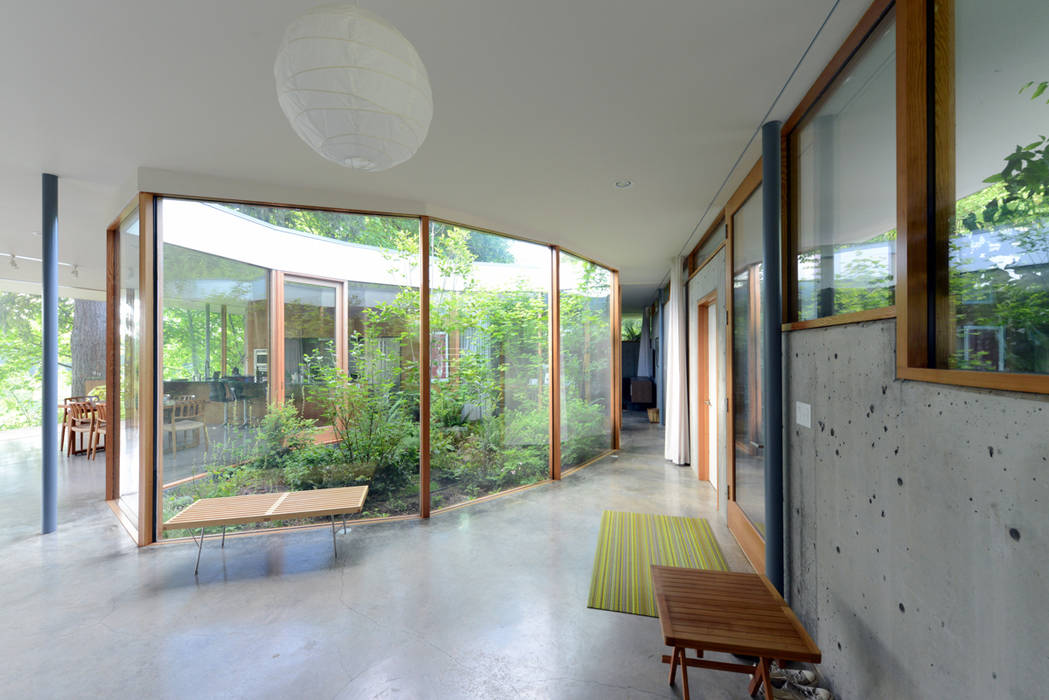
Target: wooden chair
(187, 414)
(80, 421)
(65, 417)
(101, 428)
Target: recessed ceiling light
(623, 184)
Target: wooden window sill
(842, 319)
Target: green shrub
(281, 432)
(323, 466)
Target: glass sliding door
(312, 341)
(489, 363)
(748, 361)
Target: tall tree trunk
(88, 343)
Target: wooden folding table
(727, 611)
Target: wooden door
(703, 391)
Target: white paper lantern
(353, 87)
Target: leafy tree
(1011, 294)
(21, 340)
(631, 330)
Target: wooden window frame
(925, 194)
(827, 79)
(926, 199)
(750, 540)
(693, 263)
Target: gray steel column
(49, 431)
(770, 166)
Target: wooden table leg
(762, 674)
(766, 677)
(673, 665)
(684, 674)
(755, 680)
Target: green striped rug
(629, 543)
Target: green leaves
(1038, 90)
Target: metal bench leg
(223, 536)
(333, 547)
(199, 548)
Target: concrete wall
(917, 524)
(711, 278)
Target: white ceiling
(539, 108)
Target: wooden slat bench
(260, 507)
(731, 612)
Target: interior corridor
(485, 601)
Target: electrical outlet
(803, 414)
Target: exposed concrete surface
(488, 601)
(918, 524)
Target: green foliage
(586, 362)
(1038, 89)
(1019, 198)
(483, 247)
(489, 418)
(631, 330)
(281, 432)
(21, 339)
(1005, 296)
(584, 430)
(372, 421)
(364, 229)
(323, 466)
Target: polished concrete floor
(488, 601)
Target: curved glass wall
(586, 360)
(291, 358)
(489, 363)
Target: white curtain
(676, 436)
(644, 355)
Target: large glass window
(489, 366)
(998, 241)
(291, 354)
(710, 245)
(291, 357)
(216, 342)
(748, 361)
(129, 316)
(586, 360)
(845, 187)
